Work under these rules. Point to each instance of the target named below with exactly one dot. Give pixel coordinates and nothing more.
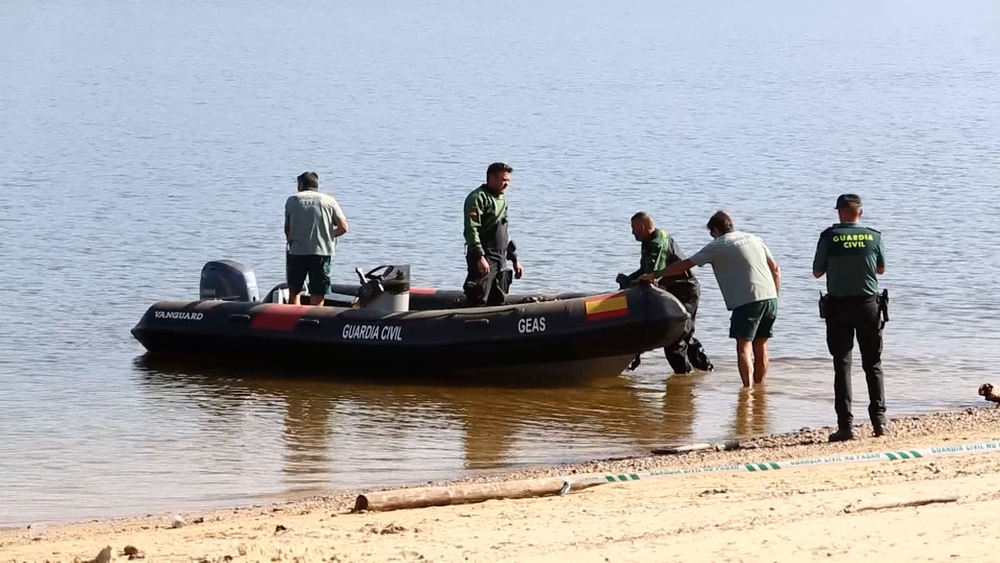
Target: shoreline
(967, 425)
(344, 498)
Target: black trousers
(845, 317)
(490, 289)
(688, 351)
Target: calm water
(140, 139)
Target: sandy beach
(826, 512)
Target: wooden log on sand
(383, 501)
(720, 447)
(682, 449)
(897, 504)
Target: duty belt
(883, 306)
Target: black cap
(846, 200)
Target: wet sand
(828, 512)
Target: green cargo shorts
(753, 320)
(313, 266)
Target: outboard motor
(228, 280)
(386, 288)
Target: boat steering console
(371, 284)
(385, 288)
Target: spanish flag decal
(606, 306)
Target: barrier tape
(984, 447)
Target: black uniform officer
(659, 250)
(488, 246)
(852, 256)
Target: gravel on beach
(807, 442)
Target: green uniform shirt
(486, 224)
(655, 252)
(850, 254)
(659, 251)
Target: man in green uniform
(659, 250)
(852, 256)
(488, 246)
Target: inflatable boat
(384, 325)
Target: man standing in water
(749, 279)
(313, 221)
(488, 246)
(660, 250)
(852, 257)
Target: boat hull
(585, 336)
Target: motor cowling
(228, 280)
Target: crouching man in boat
(313, 221)
(660, 250)
(488, 246)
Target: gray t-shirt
(739, 261)
(311, 218)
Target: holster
(823, 299)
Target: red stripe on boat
(278, 317)
(422, 291)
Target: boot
(878, 429)
(697, 356)
(842, 435)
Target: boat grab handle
(314, 322)
(478, 321)
(238, 318)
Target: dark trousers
(490, 289)
(846, 316)
(688, 351)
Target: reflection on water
(306, 435)
(355, 433)
(678, 407)
(751, 412)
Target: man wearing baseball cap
(852, 256)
